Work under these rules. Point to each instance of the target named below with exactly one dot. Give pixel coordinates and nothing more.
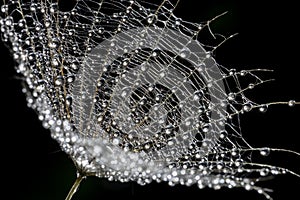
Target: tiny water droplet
(231, 96)
(251, 86)
(8, 21)
(292, 103)
(263, 108)
(248, 187)
(247, 107)
(264, 172)
(185, 53)
(74, 66)
(232, 71)
(52, 45)
(55, 62)
(243, 72)
(116, 141)
(196, 97)
(265, 151)
(69, 100)
(21, 23)
(223, 134)
(152, 19)
(59, 81)
(4, 8)
(71, 79)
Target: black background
(34, 167)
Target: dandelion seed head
(133, 95)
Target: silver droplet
(265, 151)
(70, 79)
(251, 86)
(243, 72)
(231, 96)
(152, 19)
(264, 172)
(247, 107)
(185, 53)
(59, 81)
(263, 108)
(292, 103)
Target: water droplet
(22, 67)
(162, 74)
(154, 53)
(4, 8)
(263, 108)
(52, 10)
(223, 134)
(38, 27)
(8, 21)
(71, 79)
(74, 66)
(129, 9)
(152, 19)
(238, 162)
(208, 55)
(113, 43)
(143, 101)
(251, 86)
(292, 103)
(243, 73)
(100, 119)
(21, 23)
(178, 22)
(232, 71)
(55, 62)
(47, 23)
(234, 153)
(188, 122)
(247, 107)
(231, 96)
(265, 151)
(59, 81)
(158, 98)
(52, 45)
(264, 172)
(185, 53)
(196, 97)
(124, 93)
(125, 63)
(144, 67)
(116, 141)
(69, 100)
(27, 41)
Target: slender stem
(75, 186)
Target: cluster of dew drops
(47, 93)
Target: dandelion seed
(129, 95)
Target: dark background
(34, 167)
